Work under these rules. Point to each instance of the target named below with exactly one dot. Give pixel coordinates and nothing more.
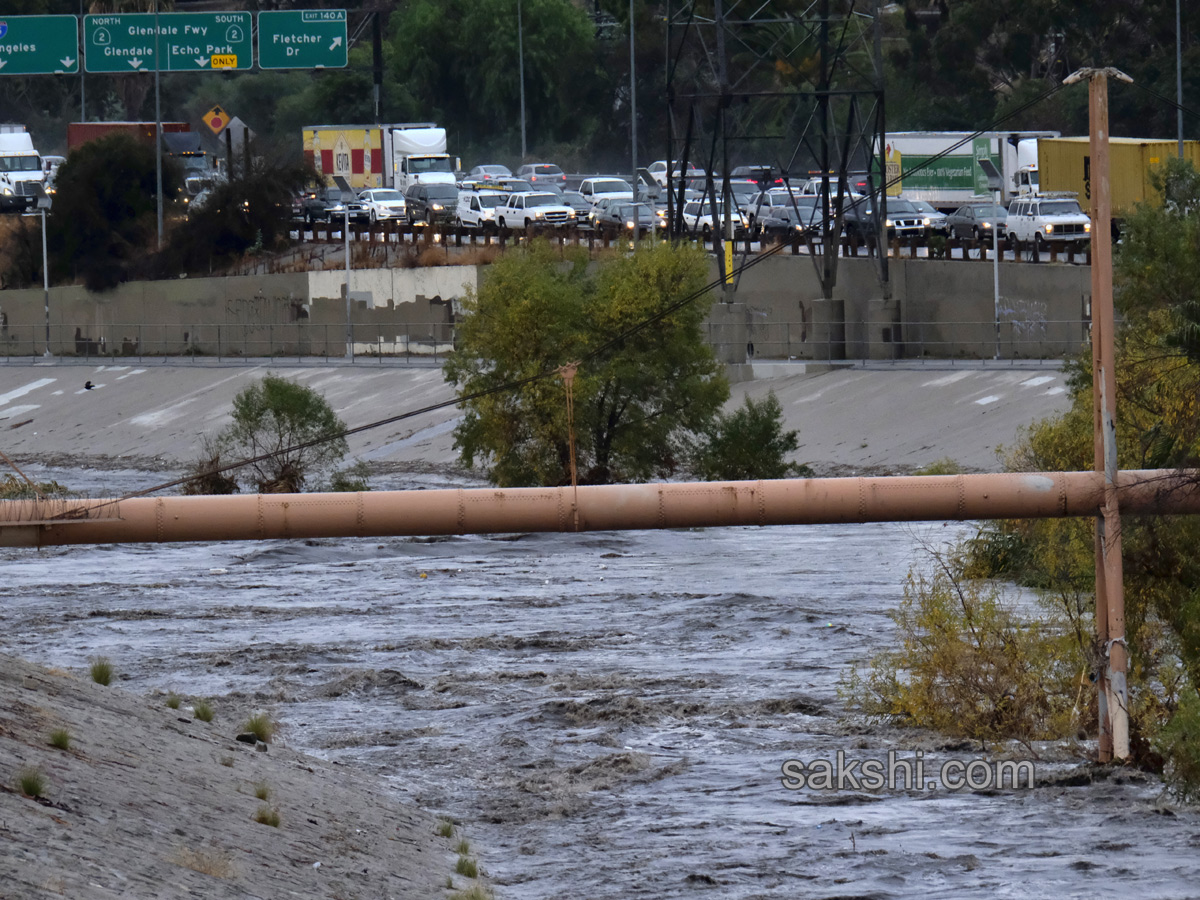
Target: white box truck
(957, 178)
(394, 156)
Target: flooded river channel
(606, 714)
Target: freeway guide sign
(39, 45)
(187, 42)
(302, 39)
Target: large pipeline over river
(42, 523)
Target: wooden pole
(1110, 587)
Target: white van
(1048, 219)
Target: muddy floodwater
(606, 714)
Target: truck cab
(22, 178)
(419, 155)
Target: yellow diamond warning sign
(216, 118)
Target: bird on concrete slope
(88, 386)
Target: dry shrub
(205, 860)
(433, 255)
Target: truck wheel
(374, 218)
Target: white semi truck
(22, 178)
(366, 156)
(956, 178)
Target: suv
(593, 189)
(538, 174)
(535, 208)
(429, 203)
(1048, 219)
(322, 204)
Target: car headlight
(571, 214)
(539, 214)
(887, 222)
(925, 221)
(1087, 229)
(1049, 229)
(629, 224)
(987, 225)
(436, 207)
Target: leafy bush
(748, 444)
(966, 663)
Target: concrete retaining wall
(932, 308)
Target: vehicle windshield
(442, 192)
(610, 186)
(490, 201)
(495, 170)
(541, 200)
(20, 164)
(385, 195)
(1061, 208)
(924, 206)
(419, 165)
(988, 212)
(573, 197)
(901, 206)
(626, 211)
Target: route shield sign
(302, 39)
(39, 45)
(187, 42)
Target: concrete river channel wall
(929, 309)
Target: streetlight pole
(43, 204)
(521, 66)
(158, 126)
(633, 130)
(1178, 79)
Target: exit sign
(170, 42)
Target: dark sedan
(976, 220)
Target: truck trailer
(367, 156)
(1066, 165)
(952, 180)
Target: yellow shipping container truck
(1065, 164)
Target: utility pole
(1178, 79)
(633, 130)
(157, 126)
(1110, 587)
(521, 66)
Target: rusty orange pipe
(600, 508)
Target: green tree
(249, 212)
(279, 417)
(637, 401)
(748, 444)
(105, 213)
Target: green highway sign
(187, 42)
(39, 45)
(302, 39)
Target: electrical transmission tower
(794, 84)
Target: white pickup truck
(534, 208)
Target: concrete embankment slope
(878, 417)
(146, 801)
